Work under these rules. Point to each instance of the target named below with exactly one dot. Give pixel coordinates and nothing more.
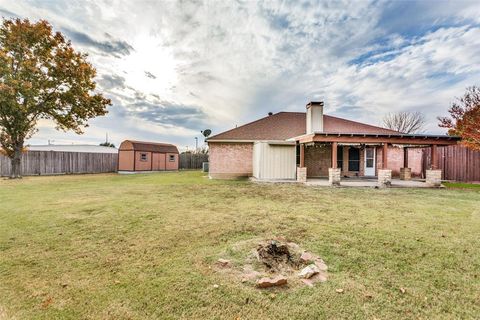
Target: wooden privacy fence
(54, 162)
(456, 162)
(190, 160)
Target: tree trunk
(16, 161)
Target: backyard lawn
(144, 247)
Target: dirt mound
(276, 255)
(274, 262)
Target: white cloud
(424, 76)
(224, 63)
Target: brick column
(334, 176)
(301, 174)
(433, 178)
(405, 174)
(384, 178)
(334, 172)
(302, 155)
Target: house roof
(87, 148)
(286, 125)
(129, 145)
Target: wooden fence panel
(53, 162)
(192, 160)
(457, 162)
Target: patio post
(384, 155)
(405, 172)
(433, 177)
(334, 155)
(405, 157)
(301, 169)
(334, 172)
(384, 175)
(434, 164)
(302, 155)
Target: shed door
(161, 161)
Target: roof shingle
(286, 125)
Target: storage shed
(136, 156)
(274, 160)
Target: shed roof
(286, 125)
(148, 146)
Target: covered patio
(371, 160)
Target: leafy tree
(464, 118)
(42, 77)
(107, 144)
(405, 122)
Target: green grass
(142, 247)
(462, 185)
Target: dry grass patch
(143, 247)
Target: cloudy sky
(173, 68)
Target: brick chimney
(314, 116)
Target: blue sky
(175, 68)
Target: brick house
(301, 145)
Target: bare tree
(405, 122)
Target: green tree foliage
(42, 77)
(107, 144)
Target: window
(369, 155)
(340, 157)
(143, 157)
(353, 159)
(171, 158)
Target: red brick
(230, 160)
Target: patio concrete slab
(352, 182)
(372, 183)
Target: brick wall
(395, 160)
(230, 160)
(318, 160)
(233, 160)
